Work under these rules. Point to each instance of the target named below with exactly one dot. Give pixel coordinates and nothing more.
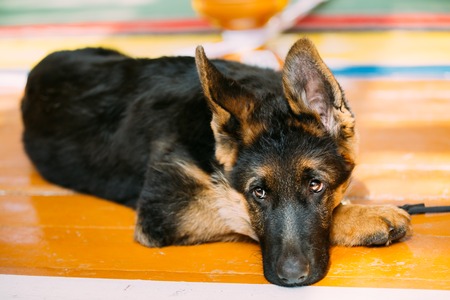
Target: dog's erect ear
(310, 87)
(224, 95)
(232, 106)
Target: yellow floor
(404, 127)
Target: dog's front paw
(366, 225)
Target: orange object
(238, 14)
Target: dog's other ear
(310, 87)
(232, 106)
(225, 96)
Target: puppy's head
(290, 152)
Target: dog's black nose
(292, 270)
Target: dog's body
(241, 153)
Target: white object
(240, 41)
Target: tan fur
(143, 238)
(313, 130)
(354, 224)
(226, 149)
(232, 208)
(226, 152)
(339, 194)
(251, 130)
(218, 212)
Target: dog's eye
(315, 186)
(259, 193)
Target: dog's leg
(182, 205)
(369, 225)
(217, 213)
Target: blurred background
(396, 33)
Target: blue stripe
(363, 71)
(392, 71)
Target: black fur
(94, 118)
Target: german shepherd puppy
(209, 151)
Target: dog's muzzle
(292, 269)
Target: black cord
(415, 209)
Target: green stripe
(19, 12)
(376, 7)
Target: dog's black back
(94, 117)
